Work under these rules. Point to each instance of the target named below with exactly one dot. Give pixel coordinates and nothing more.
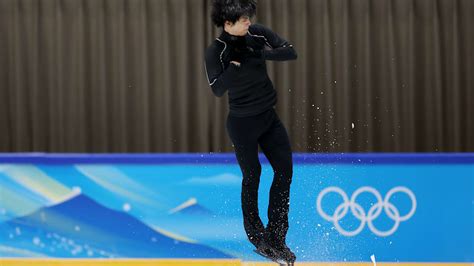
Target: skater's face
(240, 27)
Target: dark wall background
(128, 75)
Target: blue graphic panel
(343, 207)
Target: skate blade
(280, 262)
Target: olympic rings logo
(374, 211)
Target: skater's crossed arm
(218, 77)
(280, 49)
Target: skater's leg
(275, 144)
(244, 133)
(247, 156)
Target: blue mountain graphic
(196, 210)
(80, 227)
(192, 207)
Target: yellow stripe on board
(189, 262)
(357, 264)
(117, 262)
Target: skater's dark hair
(231, 10)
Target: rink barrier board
(187, 158)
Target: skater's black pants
(247, 133)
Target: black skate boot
(269, 252)
(285, 253)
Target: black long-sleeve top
(250, 89)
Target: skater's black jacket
(250, 90)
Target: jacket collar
(232, 39)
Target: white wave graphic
(223, 179)
(36, 181)
(28, 189)
(7, 251)
(114, 180)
